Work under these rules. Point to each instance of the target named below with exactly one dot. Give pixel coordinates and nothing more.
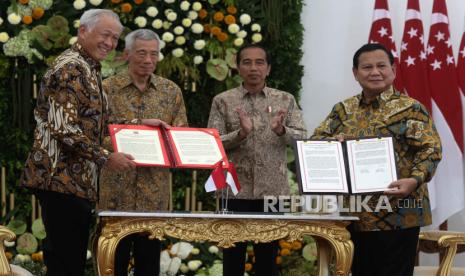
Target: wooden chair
(446, 242)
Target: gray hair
(144, 34)
(91, 17)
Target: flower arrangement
(193, 33)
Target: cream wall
(334, 30)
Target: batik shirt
(260, 158)
(417, 151)
(142, 188)
(70, 116)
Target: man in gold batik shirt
(256, 123)
(385, 242)
(138, 95)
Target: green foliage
(282, 35)
(26, 244)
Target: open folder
(350, 167)
(176, 147)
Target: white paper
(143, 145)
(322, 167)
(196, 147)
(371, 164)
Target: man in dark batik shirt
(62, 167)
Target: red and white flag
(381, 32)
(216, 180)
(461, 73)
(447, 191)
(413, 66)
(232, 180)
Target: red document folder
(176, 147)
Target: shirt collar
(245, 92)
(94, 64)
(382, 98)
(125, 79)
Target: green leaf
(213, 2)
(231, 57)
(42, 34)
(233, 81)
(309, 252)
(38, 229)
(290, 155)
(17, 226)
(217, 69)
(26, 244)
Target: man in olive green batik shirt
(139, 96)
(385, 242)
(256, 123)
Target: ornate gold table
(225, 230)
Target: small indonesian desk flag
(216, 180)
(232, 180)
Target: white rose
(178, 30)
(194, 264)
(238, 42)
(192, 15)
(72, 40)
(213, 249)
(167, 37)
(197, 28)
(180, 40)
(197, 6)
(162, 44)
(199, 44)
(172, 16)
(152, 11)
(14, 18)
(241, 34)
(256, 37)
(88, 255)
(169, 1)
(185, 5)
(256, 27)
(140, 21)
(79, 4)
(245, 19)
(198, 59)
(233, 28)
(167, 11)
(76, 23)
(186, 22)
(178, 52)
(1, 21)
(157, 24)
(184, 268)
(160, 56)
(166, 25)
(5, 242)
(195, 251)
(95, 2)
(4, 38)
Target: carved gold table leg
(224, 232)
(5, 234)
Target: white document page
(321, 165)
(372, 164)
(143, 145)
(196, 147)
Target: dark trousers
(146, 255)
(265, 253)
(67, 221)
(385, 253)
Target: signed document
(350, 167)
(176, 147)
